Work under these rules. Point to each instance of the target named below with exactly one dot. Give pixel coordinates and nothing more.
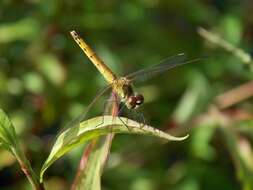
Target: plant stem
(82, 164)
(217, 40)
(235, 95)
(93, 145)
(27, 170)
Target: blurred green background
(45, 81)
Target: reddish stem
(29, 172)
(85, 157)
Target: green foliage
(45, 81)
(89, 176)
(8, 140)
(92, 128)
(24, 29)
(8, 136)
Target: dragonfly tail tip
(72, 32)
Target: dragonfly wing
(163, 66)
(82, 116)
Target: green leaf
(239, 148)
(52, 69)
(7, 132)
(9, 140)
(193, 99)
(24, 29)
(203, 133)
(95, 127)
(231, 28)
(90, 175)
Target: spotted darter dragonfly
(123, 86)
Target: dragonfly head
(134, 101)
(130, 98)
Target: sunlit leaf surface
(95, 127)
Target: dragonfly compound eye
(132, 102)
(139, 99)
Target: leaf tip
(184, 137)
(42, 175)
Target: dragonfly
(123, 86)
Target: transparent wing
(163, 66)
(82, 116)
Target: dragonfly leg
(105, 107)
(100, 123)
(119, 113)
(143, 119)
(121, 109)
(140, 115)
(125, 124)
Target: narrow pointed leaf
(95, 127)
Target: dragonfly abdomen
(103, 69)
